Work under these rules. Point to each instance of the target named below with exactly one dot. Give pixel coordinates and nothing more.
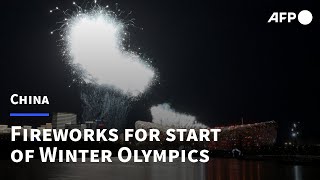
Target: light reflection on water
(219, 169)
(233, 169)
(297, 173)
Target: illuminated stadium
(245, 137)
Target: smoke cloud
(163, 114)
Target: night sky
(217, 60)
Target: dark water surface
(220, 169)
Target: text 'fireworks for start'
(139, 135)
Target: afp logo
(304, 17)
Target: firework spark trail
(94, 38)
(163, 114)
(105, 103)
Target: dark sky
(218, 60)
